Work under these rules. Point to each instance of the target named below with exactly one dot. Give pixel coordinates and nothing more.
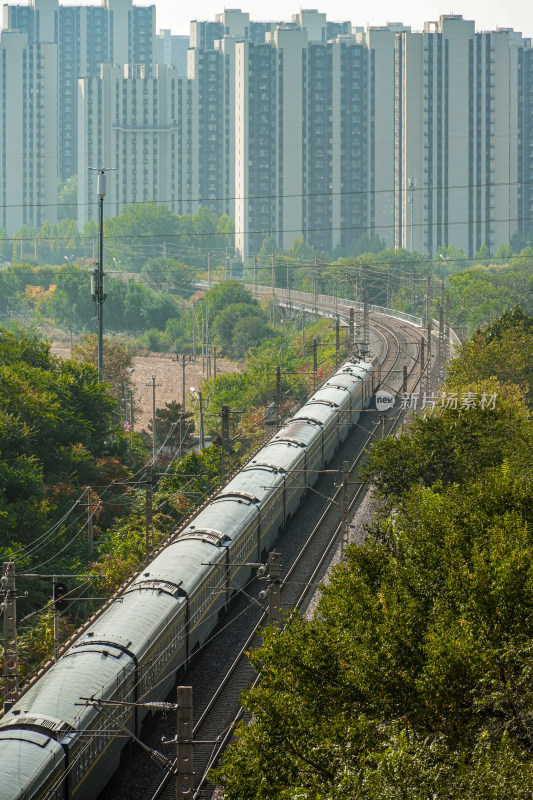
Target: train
(54, 748)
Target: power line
(363, 228)
(239, 198)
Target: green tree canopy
(503, 350)
(228, 293)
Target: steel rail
(221, 744)
(333, 503)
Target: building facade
(116, 32)
(306, 128)
(28, 132)
(459, 124)
(129, 120)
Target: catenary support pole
(274, 588)
(345, 505)
(315, 363)
(149, 511)
(9, 605)
(90, 518)
(184, 741)
(224, 424)
(56, 619)
(278, 397)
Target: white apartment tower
(28, 132)
(458, 122)
(129, 121)
(114, 32)
(300, 145)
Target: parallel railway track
(306, 556)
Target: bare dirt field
(168, 381)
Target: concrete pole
(9, 604)
(184, 741)
(274, 588)
(90, 518)
(149, 511)
(345, 506)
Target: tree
(174, 426)
(169, 276)
(137, 225)
(408, 681)
(503, 350)
(413, 678)
(67, 198)
(55, 421)
(117, 358)
(226, 320)
(448, 446)
(70, 305)
(226, 294)
(249, 331)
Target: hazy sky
(488, 14)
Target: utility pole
(442, 340)
(207, 349)
(345, 506)
(149, 511)
(255, 276)
(337, 341)
(359, 304)
(131, 416)
(183, 361)
(9, 607)
(351, 331)
(315, 363)
(429, 326)
(98, 275)
(193, 314)
(225, 457)
(184, 741)
(198, 393)
(209, 269)
(273, 291)
(366, 318)
(422, 360)
(315, 292)
(153, 384)
(278, 397)
(214, 361)
(55, 592)
(447, 333)
(202, 332)
(90, 518)
(303, 333)
(272, 571)
(288, 282)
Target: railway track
(305, 559)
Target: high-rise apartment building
(115, 32)
(172, 50)
(129, 120)
(459, 121)
(28, 132)
(300, 128)
(525, 208)
(301, 160)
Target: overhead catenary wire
(362, 228)
(282, 196)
